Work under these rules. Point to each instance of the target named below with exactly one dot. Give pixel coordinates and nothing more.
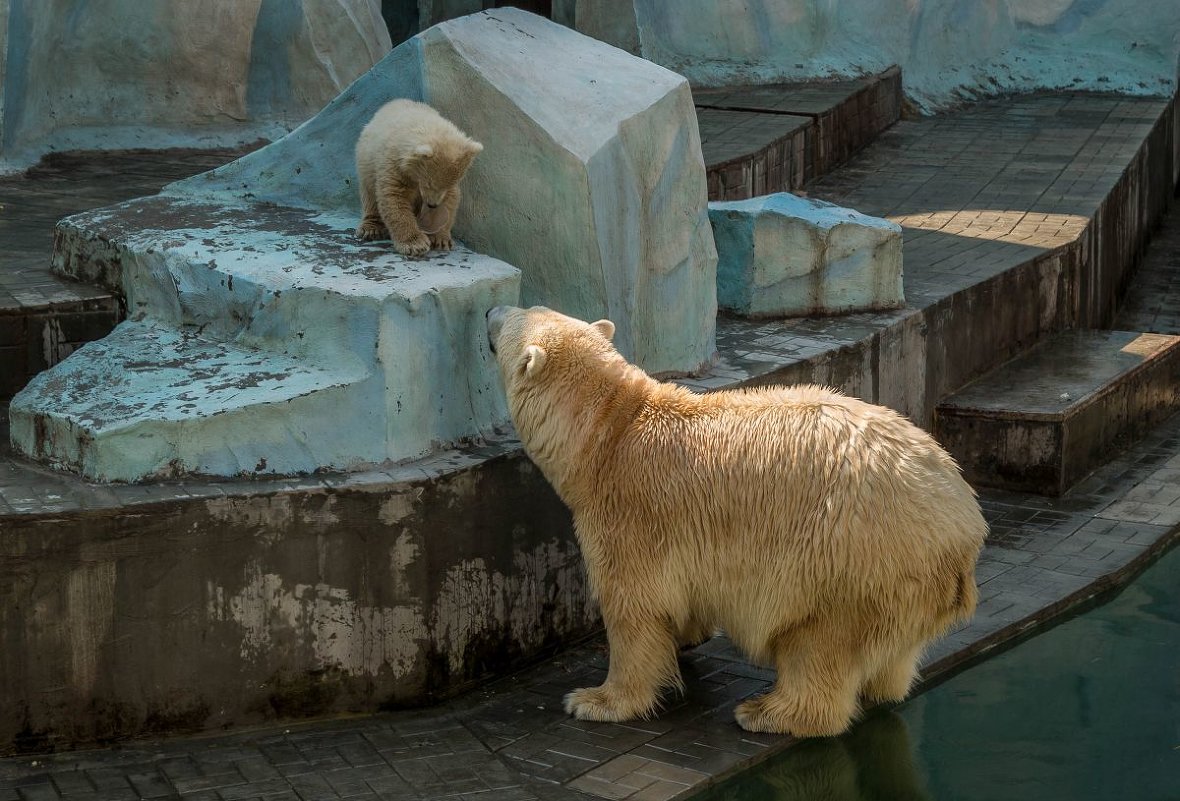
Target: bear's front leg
(441, 238)
(395, 203)
(371, 226)
(642, 662)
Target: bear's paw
(417, 246)
(442, 241)
(601, 704)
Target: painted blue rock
(785, 256)
(264, 339)
(604, 210)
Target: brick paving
(977, 192)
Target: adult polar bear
(828, 537)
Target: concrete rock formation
(173, 73)
(264, 338)
(948, 50)
(787, 256)
(604, 211)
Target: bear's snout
(495, 319)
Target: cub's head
(440, 164)
(538, 346)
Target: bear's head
(440, 164)
(549, 364)
(527, 341)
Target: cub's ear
(604, 327)
(423, 151)
(533, 359)
(474, 147)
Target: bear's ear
(474, 147)
(604, 327)
(423, 151)
(533, 360)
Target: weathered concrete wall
(126, 74)
(948, 49)
(203, 613)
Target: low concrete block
(787, 256)
(1044, 420)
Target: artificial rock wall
(949, 50)
(77, 75)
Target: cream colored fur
(409, 161)
(828, 537)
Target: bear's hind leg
(642, 662)
(893, 680)
(371, 226)
(815, 693)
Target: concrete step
(297, 284)
(1047, 418)
(151, 401)
(45, 318)
(758, 140)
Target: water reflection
(872, 762)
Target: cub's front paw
(369, 230)
(442, 241)
(418, 246)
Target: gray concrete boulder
(787, 256)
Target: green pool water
(1087, 711)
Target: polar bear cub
(409, 160)
(829, 538)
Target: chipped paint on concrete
(398, 506)
(340, 633)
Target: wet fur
(829, 538)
